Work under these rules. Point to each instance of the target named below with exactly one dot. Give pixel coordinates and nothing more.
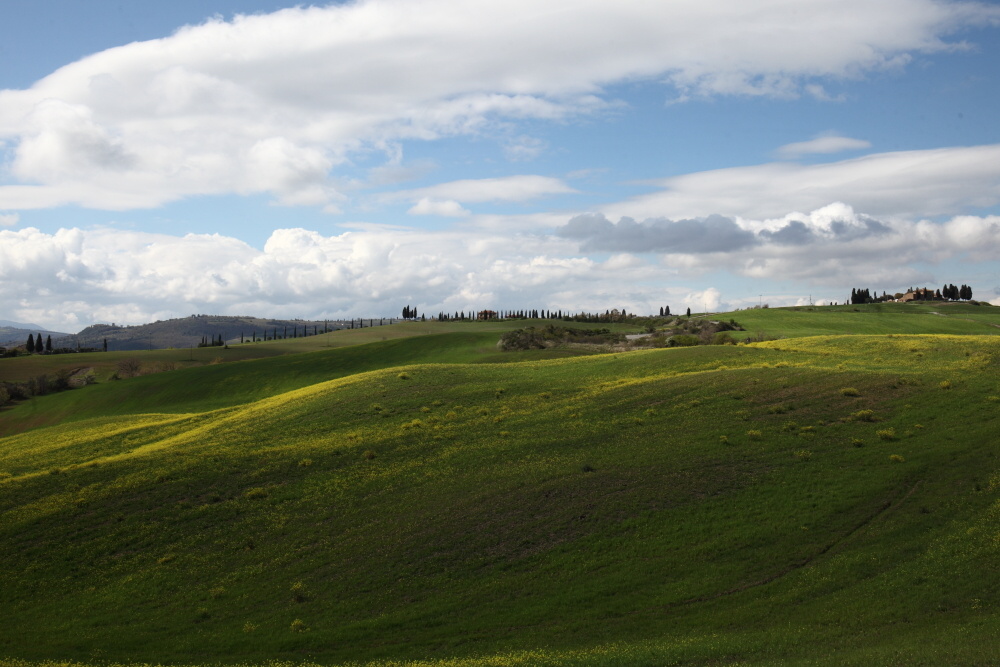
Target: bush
(896, 458)
(849, 391)
(129, 367)
(886, 434)
(864, 416)
(723, 338)
(298, 625)
(945, 384)
(683, 340)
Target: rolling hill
(824, 498)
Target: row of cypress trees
(35, 344)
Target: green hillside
(812, 500)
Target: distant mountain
(16, 333)
(18, 325)
(190, 331)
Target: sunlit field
(822, 500)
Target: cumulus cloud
(825, 144)
(274, 103)
(9, 219)
(936, 182)
(133, 277)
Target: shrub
(886, 434)
(723, 338)
(254, 493)
(305, 463)
(402, 376)
(683, 340)
(864, 416)
(369, 455)
(945, 384)
(857, 443)
(723, 440)
(803, 454)
(298, 625)
(299, 592)
(849, 391)
(754, 434)
(129, 367)
(588, 468)
(896, 458)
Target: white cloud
(274, 103)
(704, 301)
(448, 208)
(524, 148)
(9, 219)
(824, 144)
(943, 181)
(504, 189)
(133, 277)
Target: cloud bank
(276, 103)
(911, 184)
(57, 279)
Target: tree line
(945, 293)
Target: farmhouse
(919, 294)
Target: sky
(251, 157)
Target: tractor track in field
(884, 509)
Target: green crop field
(415, 498)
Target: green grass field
(820, 499)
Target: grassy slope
(104, 364)
(476, 529)
(212, 386)
(880, 318)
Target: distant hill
(16, 333)
(19, 325)
(190, 331)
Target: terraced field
(831, 499)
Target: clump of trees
(539, 338)
(945, 293)
(211, 342)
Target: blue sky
(337, 160)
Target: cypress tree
(48, 343)
(39, 345)
(30, 344)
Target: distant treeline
(35, 345)
(611, 315)
(945, 293)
